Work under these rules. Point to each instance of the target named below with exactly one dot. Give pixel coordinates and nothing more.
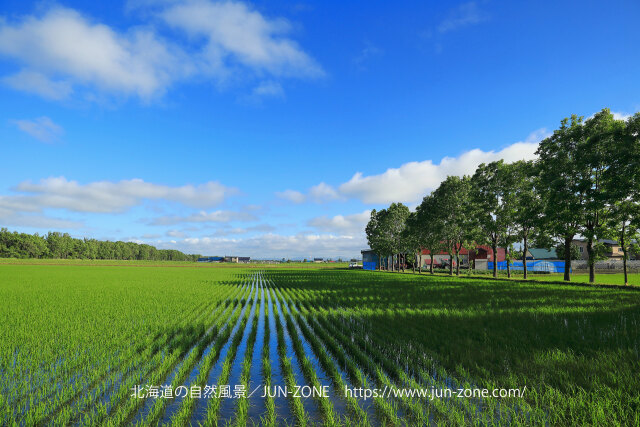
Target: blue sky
(270, 129)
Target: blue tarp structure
(369, 265)
(545, 266)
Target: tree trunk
(457, 263)
(420, 262)
(567, 257)
(494, 246)
(450, 265)
(524, 256)
(431, 265)
(624, 255)
(508, 262)
(592, 261)
(379, 263)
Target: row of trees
(63, 246)
(585, 182)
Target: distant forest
(62, 246)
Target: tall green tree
(394, 225)
(560, 184)
(491, 194)
(623, 222)
(527, 205)
(374, 234)
(412, 238)
(594, 159)
(430, 230)
(452, 203)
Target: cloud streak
(220, 216)
(464, 15)
(272, 245)
(108, 196)
(42, 128)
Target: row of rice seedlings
(124, 411)
(183, 415)
(257, 407)
(412, 408)
(39, 389)
(269, 418)
(213, 408)
(39, 410)
(326, 407)
(388, 353)
(287, 370)
(329, 365)
(242, 408)
(140, 379)
(74, 373)
(384, 329)
(160, 404)
(385, 408)
(91, 398)
(64, 413)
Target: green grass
(601, 278)
(75, 337)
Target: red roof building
(481, 252)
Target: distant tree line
(585, 181)
(62, 246)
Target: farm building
(613, 248)
(318, 260)
(541, 254)
(237, 259)
(479, 257)
(211, 259)
(370, 260)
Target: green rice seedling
(214, 403)
(242, 409)
(309, 372)
(287, 370)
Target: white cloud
(464, 15)
(277, 246)
(318, 193)
(235, 33)
(61, 51)
(538, 135)
(67, 45)
(107, 196)
(9, 217)
(621, 116)
(323, 192)
(176, 233)
(39, 84)
(269, 88)
(412, 181)
(219, 216)
(43, 128)
(230, 231)
(292, 196)
(369, 51)
(345, 224)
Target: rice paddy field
(99, 344)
